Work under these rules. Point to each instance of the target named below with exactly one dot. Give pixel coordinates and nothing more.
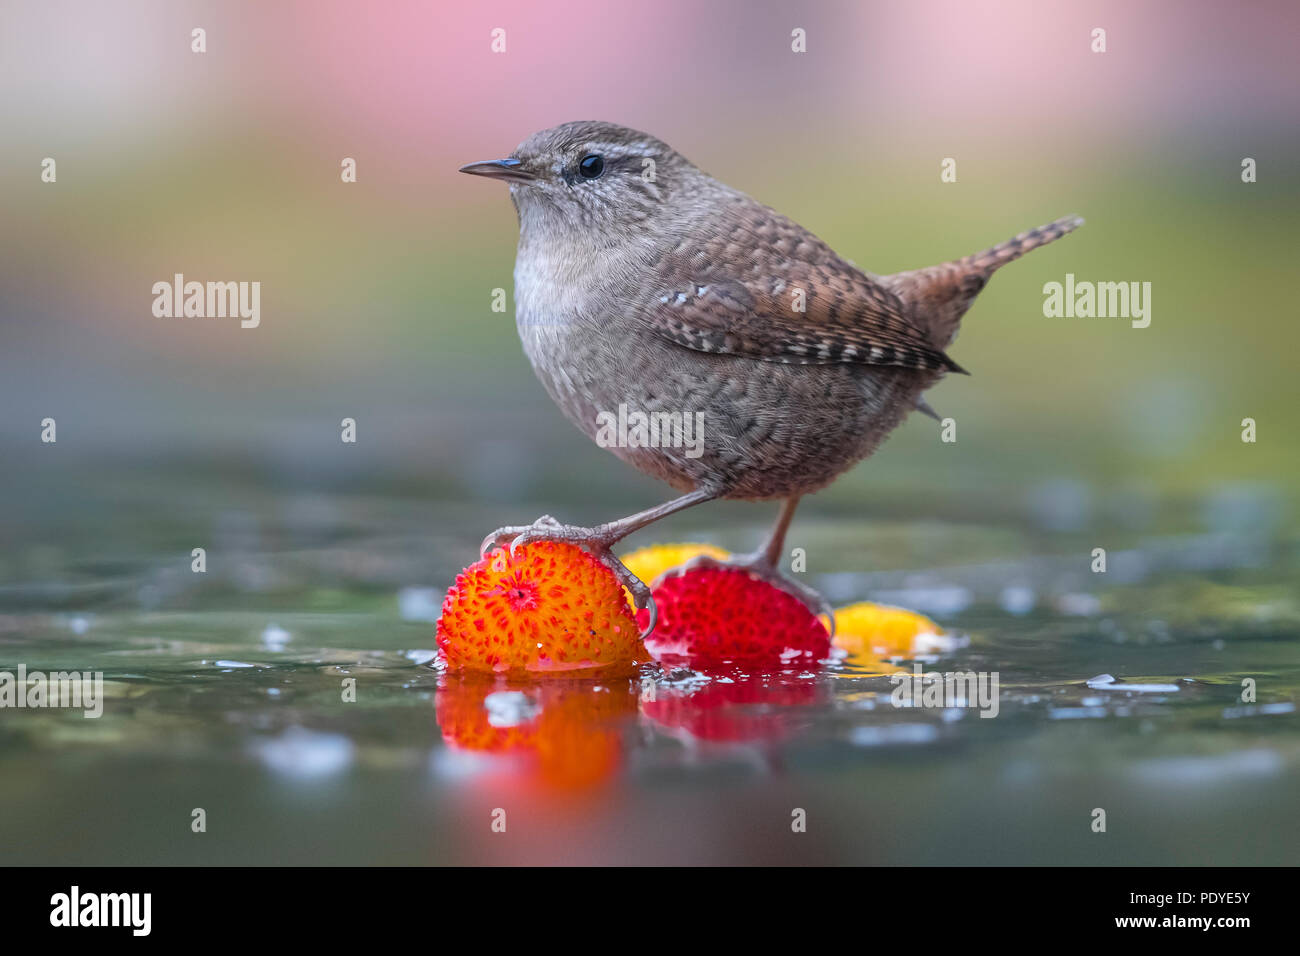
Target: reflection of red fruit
(734, 712)
(550, 609)
(726, 614)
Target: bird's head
(590, 176)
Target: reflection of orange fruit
(881, 631)
(726, 614)
(466, 724)
(551, 609)
(568, 733)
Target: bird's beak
(511, 170)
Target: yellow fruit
(881, 630)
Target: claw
(642, 598)
(654, 616)
(547, 528)
(515, 534)
(490, 543)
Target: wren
(643, 283)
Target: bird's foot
(595, 540)
(761, 567)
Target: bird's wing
(764, 288)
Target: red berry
(709, 615)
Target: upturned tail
(940, 295)
(987, 262)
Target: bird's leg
(770, 554)
(599, 540)
(765, 565)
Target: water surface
(225, 691)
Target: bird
(643, 283)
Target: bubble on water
(304, 754)
(1075, 713)
(893, 734)
(689, 680)
(510, 708)
(1208, 771)
(419, 604)
(275, 637)
(1017, 600)
(234, 665)
(1107, 682)
(1078, 605)
(1260, 710)
(420, 655)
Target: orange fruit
(551, 609)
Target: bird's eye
(591, 166)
